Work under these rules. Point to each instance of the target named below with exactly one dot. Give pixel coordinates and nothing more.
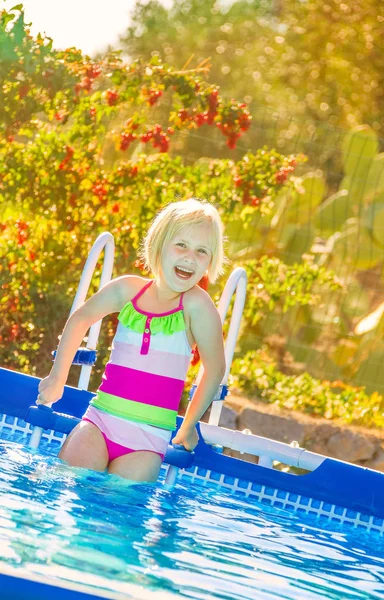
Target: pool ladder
(45, 417)
(266, 449)
(86, 357)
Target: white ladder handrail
(236, 284)
(104, 242)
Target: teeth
(184, 270)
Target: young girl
(128, 424)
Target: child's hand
(51, 390)
(187, 437)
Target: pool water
(198, 542)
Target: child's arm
(109, 299)
(207, 331)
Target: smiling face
(186, 257)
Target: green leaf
(8, 53)
(18, 30)
(6, 18)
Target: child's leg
(137, 466)
(85, 447)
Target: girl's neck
(163, 294)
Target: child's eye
(202, 250)
(180, 244)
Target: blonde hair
(168, 223)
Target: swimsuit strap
(181, 307)
(141, 292)
(146, 286)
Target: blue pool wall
(336, 490)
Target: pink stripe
(126, 433)
(166, 364)
(142, 387)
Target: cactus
(372, 219)
(359, 202)
(294, 230)
(304, 202)
(332, 214)
(354, 247)
(350, 229)
(359, 148)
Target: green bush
(256, 375)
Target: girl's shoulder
(128, 286)
(197, 299)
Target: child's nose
(190, 255)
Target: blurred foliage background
(308, 70)
(274, 112)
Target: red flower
(93, 71)
(22, 232)
(69, 153)
(183, 114)
(281, 175)
(14, 331)
(126, 139)
(23, 91)
(154, 96)
(112, 97)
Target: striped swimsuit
(136, 404)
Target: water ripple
(191, 542)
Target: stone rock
(350, 446)
(228, 418)
(377, 461)
(317, 436)
(241, 456)
(273, 427)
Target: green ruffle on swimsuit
(166, 324)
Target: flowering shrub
(259, 176)
(82, 150)
(271, 282)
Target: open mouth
(183, 273)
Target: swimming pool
(227, 530)
(213, 527)
(100, 535)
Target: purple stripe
(166, 364)
(146, 388)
